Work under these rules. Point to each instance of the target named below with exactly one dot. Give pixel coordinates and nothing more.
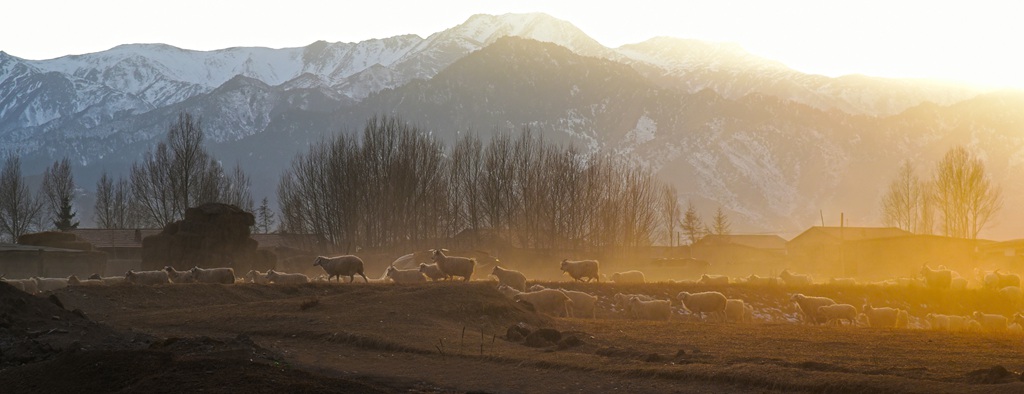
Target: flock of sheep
(702, 306)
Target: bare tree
(670, 211)
(964, 195)
(58, 189)
(902, 202)
(265, 218)
(721, 224)
(926, 209)
(692, 225)
(20, 211)
(152, 187)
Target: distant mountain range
(771, 145)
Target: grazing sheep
(536, 288)
(791, 279)
(432, 271)
(453, 266)
(254, 276)
(1012, 294)
(147, 277)
(884, 317)
(836, 313)
(759, 281)
(74, 281)
(650, 310)
(842, 281)
(511, 278)
(938, 279)
(958, 283)
(937, 322)
(338, 266)
(706, 279)
(583, 304)
(958, 323)
(214, 275)
(1007, 280)
(629, 277)
(50, 284)
(580, 269)
(809, 307)
(711, 302)
(988, 279)
(284, 278)
(402, 277)
(508, 291)
(991, 322)
(620, 301)
(549, 301)
(735, 310)
(108, 280)
(179, 276)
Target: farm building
(749, 253)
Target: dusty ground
(448, 337)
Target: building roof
(114, 238)
(853, 233)
(4, 247)
(757, 241)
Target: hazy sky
(972, 41)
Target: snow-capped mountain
(771, 145)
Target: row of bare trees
(959, 199)
(22, 211)
(393, 184)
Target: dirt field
(449, 337)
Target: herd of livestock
(700, 306)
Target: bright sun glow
(975, 42)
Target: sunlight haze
(970, 42)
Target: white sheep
(958, 323)
(285, 278)
(937, 321)
(583, 304)
(536, 287)
(791, 279)
(885, 317)
(146, 277)
(629, 277)
(706, 279)
(338, 266)
(179, 276)
(650, 310)
(580, 269)
(958, 284)
(759, 281)
(836, 313)
(990, 322)
(511, 278)
(74, 281)
(549, 301)
(404, 276)
(454, 265)
(432, 271)
(1007, 280)
(213, 275)
(254, 276)
(108, 280)
(711, 302)
(842, 281)
(1012, 294)
(939, 279)
(508, 291)
(735, 310)
(809, 307)
(620, 301)
(50, 284)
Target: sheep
(26, 285)
(991, 322)
(1012, 294)
(735, 310)
(958, 284)
(179, 276)
(285, 278)
(939, 279)
(508, 291)
(706, 279)
(580, 269)
(937, 322)
(74, 281)
(432, 271)
(957, 323)
(711, 302)
(809, 307)
(338, 266)
(511, 278)
(650, 310)
(158, 277)
(620, 300)
(629, 277)
(213, 275)
(454, 265)
(404, 276)
(50, 284)
(759, 281)
(254, 276)
(548, 301)
(842, 281)
(536, 287)
(836, 313)
(107, 280)
(1007, 280)
(791, 279)
(884, 317)
(583, 304)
